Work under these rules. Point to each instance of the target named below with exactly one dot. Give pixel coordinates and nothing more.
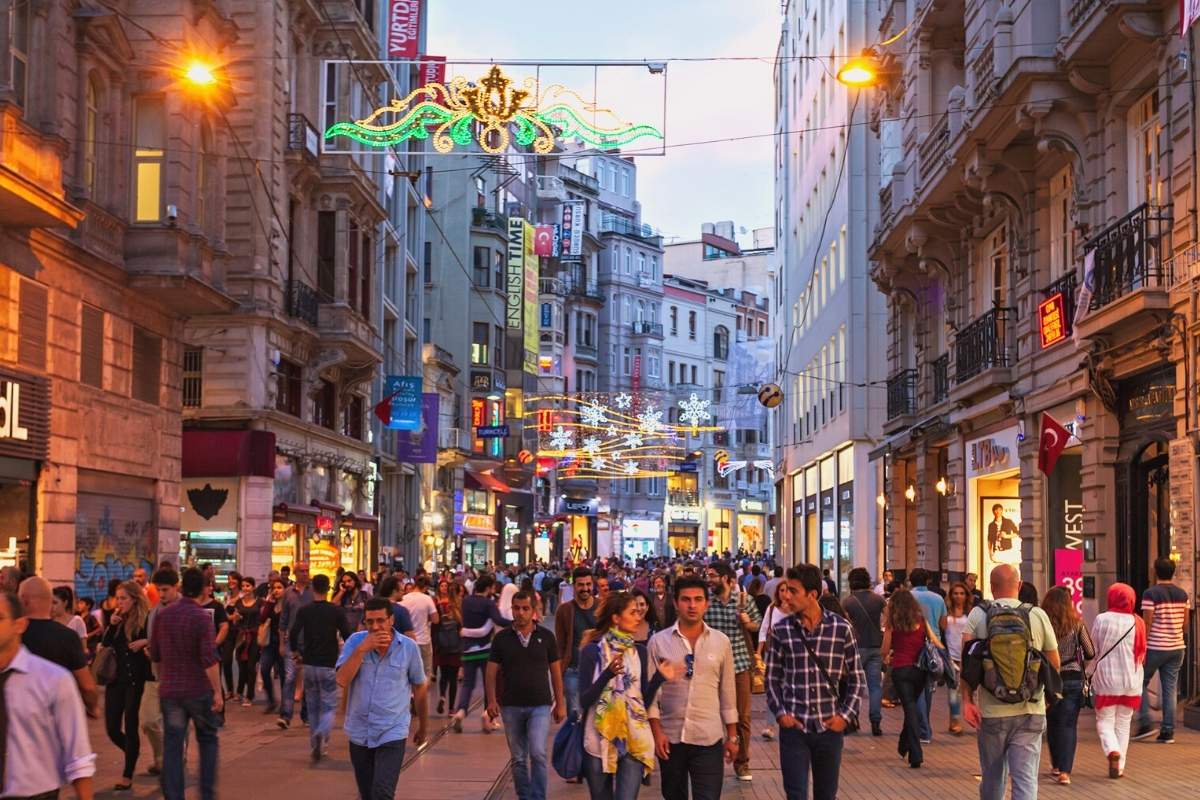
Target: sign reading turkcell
(491, 431)
(514, 306)
(405, 391)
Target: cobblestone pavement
(258, 760)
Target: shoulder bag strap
(1096, 663)
(833, 687)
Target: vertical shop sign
(515, 281)
(404, 28)
(1181, 482)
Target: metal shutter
(114, 534)
(91, 347)
(31, 351)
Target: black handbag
(449, 637)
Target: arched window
(91, 130)
(641, 311)
(721, 342)
(628, 260)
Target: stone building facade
(1026, 149)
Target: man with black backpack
(1007, 648)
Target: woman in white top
(774, 614)
(958, 608)
(1120, 639)
(62, 611)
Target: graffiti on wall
(111, 545)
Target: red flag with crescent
(543, 240)
(1051, 444)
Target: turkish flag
(383, 409)
(543, 240)
(1051, 443)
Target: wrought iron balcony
(939, 372)
(482, 218)
(983, 345)
(303, 302)
(583, 291)
(683, 498)
(933, 147)
(303, 136)
(1129, 255)
(902, 393)
(654, 329)
(627, 227)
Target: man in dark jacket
(571, 621)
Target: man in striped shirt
(1165, 609)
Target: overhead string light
(492, 112)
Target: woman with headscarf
(1120, 639)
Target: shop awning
(296, 514)
(222, 454)
(362, 522)
(487, 481)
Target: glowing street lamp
(200, 75)
(860, 72)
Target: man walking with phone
(381, 672)
(523, 657)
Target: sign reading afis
(404, 28)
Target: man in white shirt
(45, 744)
(424, 613)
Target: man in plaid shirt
(733, 614)
(803, 690)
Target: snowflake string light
(561, 439)
(612, 430)
(633, 440)
(694, 410)
(594, 416)
(650, 421)
(591, 446)
(598, 463)
(623, 401)
(631, 468)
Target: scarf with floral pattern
(621, 717)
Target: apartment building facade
(830, 319)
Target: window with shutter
(31, 351)
(193, 377)
(91, 347)
(147, 365)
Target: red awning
(488, 481)
(223, 454)
(363, 522)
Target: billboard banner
(404, 28)
(420, 447)
(405, 391)
(514, 290)
(572, 229)
(531, 300)
(433, 69)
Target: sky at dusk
(705, 99)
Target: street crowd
(646, 666)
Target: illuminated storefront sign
(1052, 319)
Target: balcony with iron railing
(1129, 276)
(902, 394)
(984, 345)
(580, 290)
(933, 147)
(483, 218)
(983, 75)
(683, 498)
(303, 303)
(303, 137)
(652, 329)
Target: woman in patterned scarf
(614, 694)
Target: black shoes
(876, 730)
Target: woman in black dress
(245, 618)
(126, 635)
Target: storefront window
(828, 523)
(476, 501)
(285, 537)
(993, 478)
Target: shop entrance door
(1148, 535)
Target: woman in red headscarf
(1120, 638)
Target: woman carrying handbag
(904, 637)
(127, 639)
(1120, 635)
(1075, 649)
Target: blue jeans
(269, 664)
(954, 696)
(176, 715)
(1062, 724)
(873, 667)
(623, 785)
(287, 702)
(472, 671)
(526, 728)
(924, 703)
(571, 690)
(1010, 745)
(377, 769)
(1166, 663)
(321, 697)
(801, 752)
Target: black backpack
(449, 636)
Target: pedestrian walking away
(381, 673)
(809, 653)
(934, 607)
(694, 718)
(1075, 649)
(45, 743)
(1165, 612)
(525, 661)
(184, 649)
(481, 618)
(1118, 675)
(296, 597)
(865, 609)
(317, 627)
(904, 639)
(423, 612)
(56, 643)
(1010, 724)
